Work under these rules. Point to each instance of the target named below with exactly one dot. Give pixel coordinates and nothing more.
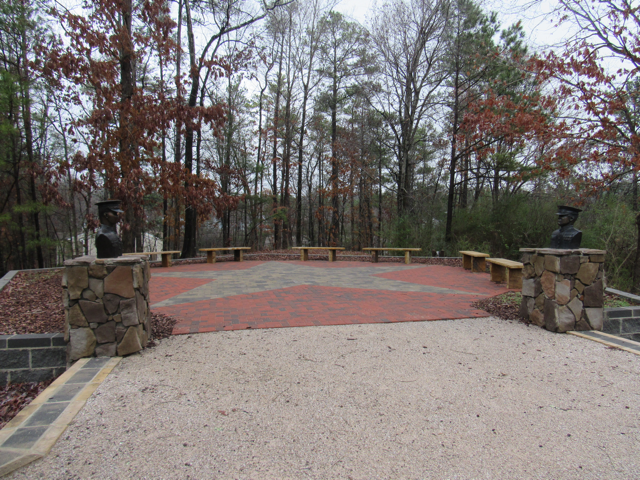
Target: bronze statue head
(108, 244)
(566, 237)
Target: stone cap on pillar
(563, 251)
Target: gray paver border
(13, 458)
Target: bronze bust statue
(108, 244)
(567, 236)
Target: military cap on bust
(108, 206)
(566, 210)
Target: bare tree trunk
(276, 115)
(126, 142)
(177, 159)
(190, 218)
(335, 168)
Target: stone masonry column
(563, 290)
(106, 303)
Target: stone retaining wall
(623, 322)
(563, 290)
(106, 303)
(32, 357)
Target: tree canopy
(283, 123)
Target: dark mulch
(505, 306)
(14, 398)
(32, 303)
(162, 326)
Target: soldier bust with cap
(567, 236)
(108, 244)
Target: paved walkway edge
(610, 340)
(12, 458)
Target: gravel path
(465, 399)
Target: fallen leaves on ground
(32, 303)
(505, 306)
(15, 397)
(162, 327)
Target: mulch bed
(32, 303)
(505, 306)
(15, 397)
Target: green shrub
(609, 224)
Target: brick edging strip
(32, 433)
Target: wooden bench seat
(238, 253)
(506, 271)
(304, 252)
(166, 256)
(474, 261)
(376, 250)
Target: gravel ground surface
(465, 399)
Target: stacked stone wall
(32, 357)
(563, 290)
(623, 322)
(107, 306)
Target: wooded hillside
(285, 123)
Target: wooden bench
(238, 253)
(166, 256)
(377, 250)
(474, 261)
(506, 271)
(304, 252)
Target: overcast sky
(535, 15)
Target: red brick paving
(306, 305)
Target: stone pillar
(106, 303)
(563, 290)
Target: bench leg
(332, 255)
(514, 278)
(479, 265)
(237, 255)
(498, 273)
(466, 262)
(211, 257)
(374, 256)
(407, 257)
(304, 255)
(166, 260)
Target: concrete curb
(32, 433)
(4, 281)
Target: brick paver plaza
(257, 294)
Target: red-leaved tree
(597, 81)
(123, 119)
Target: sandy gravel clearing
(479, 398)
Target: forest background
(285, 123)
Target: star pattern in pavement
(281, 275)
